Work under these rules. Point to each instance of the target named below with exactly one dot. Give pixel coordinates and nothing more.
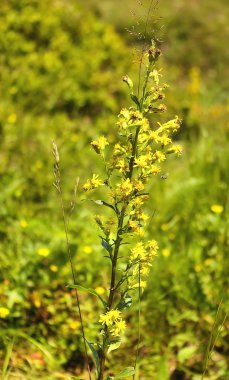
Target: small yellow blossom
(198, 268)
(125, 188)
(155, 76)
(43, 251)
(159, 156)
(110, 317)
(53, 268)
(23, 223)
(118, 328)
(154, 169)
(177, 149)
(92, 183)
(87, 249)
(143, 161)
(100, 290)
(74, 325)
(152, 245)
(138, 252)
(166, 252)
(100, 144)
(164, 140)
(164, 227)
(4, 312)
(12, 118)
(138, 185)
(217, 209)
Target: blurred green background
(61, 66)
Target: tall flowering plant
(136, 157)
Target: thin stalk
(58, 186)
(139, 319)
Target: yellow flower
(138, 185)
(74, 325)
(87, 249)
(118, 328)
(153, 245)
(110, 317)
(138, 252)
(43, 251)
(164, 140)
(12, 118)
(159, 156)
(198, 268)
(100, 144)
(23, 223)
(143, 161)
(154, 169)
(217, 209)
(4, 312)
(92, 183)
(164, 227)
(166, 252)
(125, 188)
(53, 268)
(100, 290)
(177, 149)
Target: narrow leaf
(135, 100)
(9, 350)
(87, 290)
(107, 246)
(113, 345)
(129, 371)
(94, 355)
(125, 302)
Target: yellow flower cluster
(141, 261)
(92, 183)
(113, 320)
(100, 144)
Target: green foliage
(61, 70)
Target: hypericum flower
(100, 144)
(92, 183)
(4, 312)
(43, 251)
(159, 156)
(217, 209)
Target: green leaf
(129, 371)
(186, 353)
(125, 302)
(113, 345)
(87, 290)
(107, 246)
(135, 100)
(6, 362)
(94, 355)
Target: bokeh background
(61, 66)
